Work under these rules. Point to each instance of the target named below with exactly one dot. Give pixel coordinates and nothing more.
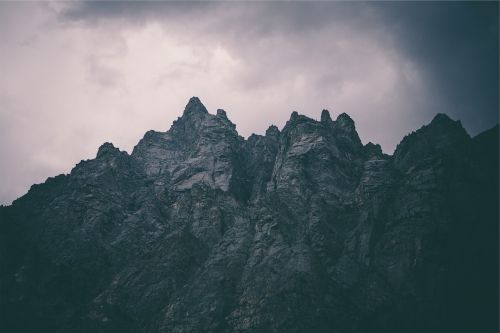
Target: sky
(74, 75)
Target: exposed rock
(325, 117)
(107, 149)
(195, 106)
(221, 113)
(300, 230)
(372, 149)
(273, 131)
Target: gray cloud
(79, 74)
(454, 44)
(457, 45)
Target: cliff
(300, 230)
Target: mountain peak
(345, 119)
(194, 105)
(221, 113)
(106, 148)
(272, 131)
(442, 123)
(372, 149)
(198, 221)
(325, 116)
(442, 118)
(435, 139)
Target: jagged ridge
(299, 230)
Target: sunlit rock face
(300, 230)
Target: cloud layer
(77, 74)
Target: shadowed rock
(194, 105)
(298, 230)
(325, 117)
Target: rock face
(303, 230)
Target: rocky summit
(300, 230)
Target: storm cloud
(75, 75)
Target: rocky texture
(303, 230)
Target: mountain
(300, 230)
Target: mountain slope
(300, 230)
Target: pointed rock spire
(346, 130)
(194, 105)
(325, 116)
(221, 113)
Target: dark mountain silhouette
(301, 230)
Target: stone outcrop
(300, 230)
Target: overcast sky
(74, 75)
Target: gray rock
(299, 230)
